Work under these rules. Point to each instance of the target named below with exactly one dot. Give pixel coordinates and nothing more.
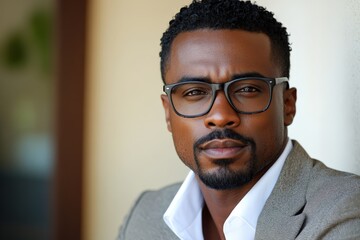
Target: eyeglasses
(246, 95)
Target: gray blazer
(309, 201)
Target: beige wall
(128, 148)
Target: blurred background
(27, 114)
(42, 68)
(82, 130)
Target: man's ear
(167, 107)
(290, 97)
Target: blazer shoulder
(332, 183)
(145, 219)
(333, 203)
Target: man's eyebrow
(197, 79)
(208, 80)
(245, 75)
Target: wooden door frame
(70, 104)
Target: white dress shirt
(184, 215)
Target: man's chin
(225, 179)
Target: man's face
(224, 148)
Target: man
(225, 66)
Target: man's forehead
(216, 36)
(214, 51)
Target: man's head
(229, 14)
(227, 115)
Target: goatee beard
(224, 177)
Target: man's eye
(195, 92)
(248, 89)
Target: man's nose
(222, 114)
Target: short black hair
(228, 14)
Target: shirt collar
(185, 211)
(184, 215)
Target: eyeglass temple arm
(281, 80)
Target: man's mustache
(224, 134)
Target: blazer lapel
(284, 227)
(282, 217)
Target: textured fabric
(145, 221)
(309, 201)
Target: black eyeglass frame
(167, 88)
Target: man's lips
(222, 148)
